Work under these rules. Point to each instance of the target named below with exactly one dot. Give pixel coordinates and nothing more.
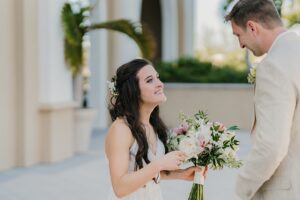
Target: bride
(136, 141)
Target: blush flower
(182, 130)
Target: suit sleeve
(275, 100)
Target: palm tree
(74, 30)
(76, 25)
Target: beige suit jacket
(272, 169)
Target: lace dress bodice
(151, 191)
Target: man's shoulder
(286, 48)
(288, 39)
(295, 28)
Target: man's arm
(274, 105)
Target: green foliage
(191, 70)
(202, 115)
(293, 18)
(226, 4)
(135, 31)
(233, 128)
(73, 33)
(74, 30)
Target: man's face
(248, 37)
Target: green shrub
(191, 70)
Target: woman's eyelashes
(150, 79)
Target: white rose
(229, 152)
(204, 131)
(189, 147)
(223, 138)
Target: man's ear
(252, 26)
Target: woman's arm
(183, 174)
(118, 143)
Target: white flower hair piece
(252, 75)
(112, 87)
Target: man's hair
(261, 11)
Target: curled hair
(261, 11)
(126, 105)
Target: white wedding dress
(151, 191)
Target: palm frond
(73, 34)
(135, 31)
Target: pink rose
(221, 127)
(202, 141)
(182, 129)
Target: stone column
(99, 66)
(169, 30)
(8, 85)
(186, 27)
(56, 102)
(121, 48)
(26, 58)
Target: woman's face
(152, 89)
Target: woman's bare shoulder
(119, 134)
(120, 126)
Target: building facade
(37, 96)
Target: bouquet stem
(197, 192)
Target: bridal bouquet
(206, 144)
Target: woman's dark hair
(126, 105)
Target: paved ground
(85, 177)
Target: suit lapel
(254, 120)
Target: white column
(169, 30)
(55, 83)
(8, 95)
(188, 27)
(123, 49)
(28, 137)
(99, 66)
(55, 90)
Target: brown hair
(127, 106)
(261, 11)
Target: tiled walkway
(85, 177)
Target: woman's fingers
(205, 172)
(172, 160)
(181, 155)
(198, 169)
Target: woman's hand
(171, 161)
(188, 174)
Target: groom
(272, 169)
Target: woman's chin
(160, 101)
(164, 99)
